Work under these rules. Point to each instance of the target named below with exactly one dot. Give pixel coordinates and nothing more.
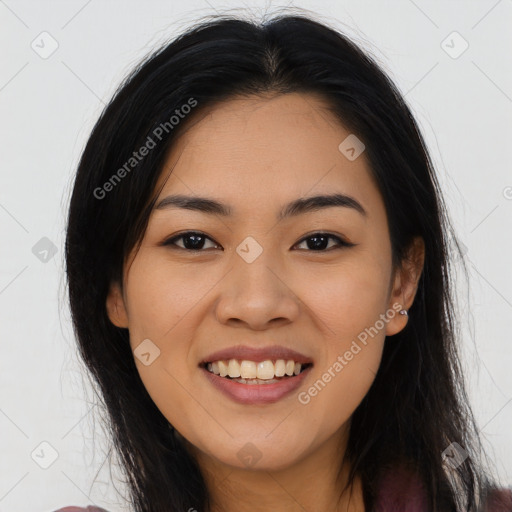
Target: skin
(256, 154)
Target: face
(317, 281)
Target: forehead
(266, 150)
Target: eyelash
(341, 243)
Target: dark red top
(399, 492)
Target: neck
(313, 483)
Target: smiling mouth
(250, 372)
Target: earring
(404, 312)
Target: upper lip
(243, 352)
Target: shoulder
(400, 490)
(89, 508)
(403, 490)
(499, 500)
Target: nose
(256, 295)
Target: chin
(260, 452)
(267, 462)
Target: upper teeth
(251, 370)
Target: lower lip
(256, 393)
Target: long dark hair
(417, 405)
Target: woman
(258, 265)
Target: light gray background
(47, 109)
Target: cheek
(162, 295)
(346, 299)
(334, 396)
(346, 372)
(347, 303)
(165, 307)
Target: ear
(116, 308)
(405, 285)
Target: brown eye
(192, 241)
(319, 242)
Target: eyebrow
(294, 208)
